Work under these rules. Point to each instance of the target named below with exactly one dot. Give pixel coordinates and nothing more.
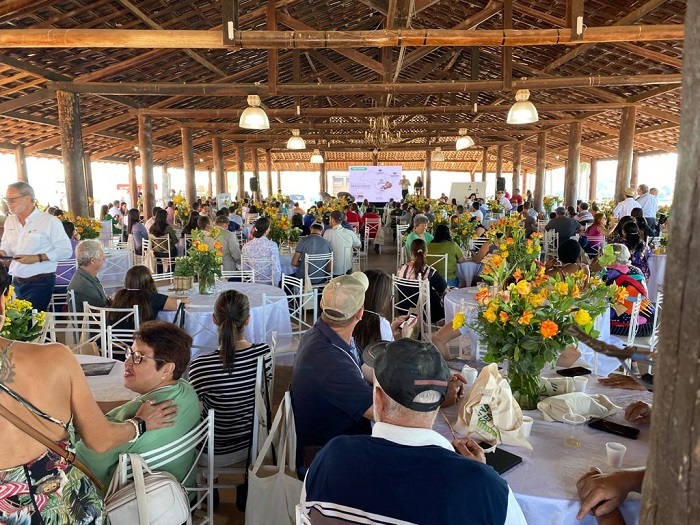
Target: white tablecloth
(263, 320)
(109, 387)
(545, 483)
(601, 364)
(466, 272)
(286, 263)
(117, 263)
(657, 270)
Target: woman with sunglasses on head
(153, 369)
(44, 386)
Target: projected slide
(375, 183)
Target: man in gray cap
(564, 226)
(405, 472)
(330, 395)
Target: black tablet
(500, 460)
(97, 369)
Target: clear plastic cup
(573, 431)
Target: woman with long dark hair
(136, 229)
(639, 251)
(225, 379)
(417, 268)
(264, 252)
(161, 228)
(443, 244)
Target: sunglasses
(137, 356)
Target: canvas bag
(490, 413)
(275, 490)
(154, 499)
(596, 405)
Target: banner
(375, 183)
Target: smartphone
(614, 428)
(573, 372)
(409, 320)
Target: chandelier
(381, 132)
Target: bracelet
(136, 429)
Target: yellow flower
(517, 275)
(562, 288)
(490, 315)
(504, 254)
(575, 292)
(503, 247)
(536, 300)
(549, 329)
(523, 287)
(458, 321)
(621, 294)
(526, 317)
(503, 316)
(582, 318)
(496, 260)
(203, 247)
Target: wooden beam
(240, 171)
(272, 54)
(378, 5)
(146, 155)
(340, 40)
(507, 52)
(538, 194)
(593, 180)
(133, 183)
(650, 54)
(72, 150)
(21, 163)
(625, 151)
(218, 158)
(574, 11)
(26, 100)
(573, 166)
(188, 165)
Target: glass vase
(207, 284)
(525, 385)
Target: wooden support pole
(21, 163)
(541, 170)
(279, 181)
(87, 167)
(593, 184)
(72, 151)
(188, 165)
(146, 154)
(428, 170)
(256, 173)
(240, 171)
(573, 166)
(268, 163)
(210, 183)
(625, 151)
(133, 184)
(517, 165)
(507, 52)
(499, 164)
(472, 176)
(523, 188)
(322, 178)
(272, 54)
(484, 163)
(634, 178)
(219, 168)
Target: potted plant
(183, 275)
(22, 323)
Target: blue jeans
(36, 292)
(453, 282)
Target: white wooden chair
(541, 225)
(400, 248)
(263, 268)
(318, 268)
(651, 343)
(194, 441)
(301, 304)
(372, 227)
(79, 331)
(599, 240)
(120, 337)
(62, 302)
(160, 247)
(64, 271)
(412, 295)
(438, 263)
(250, 218)
(551, 244)
(162, 278)
(244, 276)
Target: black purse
(179, 319)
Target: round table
(657, 269)
(467, 271)
(286, 264)
(545, 483)
(117, 263)
(264, 318)
(108, 387)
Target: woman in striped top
(225, 380)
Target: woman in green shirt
(443, 244)
(153, 369)
(420, 226)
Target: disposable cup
(580, 384)
(470, 374)
(527, 425)
(573, 431)
(616, 453)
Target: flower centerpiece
(21, 324)
(550, 202)
(524, 316)
(462, 230)
(279, 229)
(86, 227)
(495, 206)
(182, 209)
(183, 274)
(205, 258)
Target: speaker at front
(254, 183)
(501, 184)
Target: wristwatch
(141, 424)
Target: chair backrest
(301, 304)
(372, 226)
(413, 294)
(196, 440)
(302, 518)
(634, 321)
(250, 218)
(64, 271)
(355, 226)
(79, 331)
(120, 337)
(163, 276)
(264, 269)
(551, 244)
(319, 268)
(438, 262)
(62, 302)
(541, 225)
(244, 276)
(160, 247)
(657, 321)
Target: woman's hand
(157, 415)
(621, 381)
(396, 325)
(602, 493)
(469, 449)
(638, 412)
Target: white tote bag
(275, 490)
(154, 499)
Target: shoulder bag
(156, 498)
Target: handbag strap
(137, 467)
(50, 444)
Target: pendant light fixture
(464, 141)
(438, 156)
(523, 111)
(295, 141)
(316, 158)
(254, 117)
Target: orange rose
(526, 317)
(503, 317)
(549, 329)
(483, 296)
(510, 241)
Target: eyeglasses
(137, 356)
(13, 199)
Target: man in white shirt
(375, 479)
(114, 211)
(648, 203)
(584, 216)
(625, 207)
(476, 211)
(405, 186)
(343, 241)
(36, 241)
(503, 200)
